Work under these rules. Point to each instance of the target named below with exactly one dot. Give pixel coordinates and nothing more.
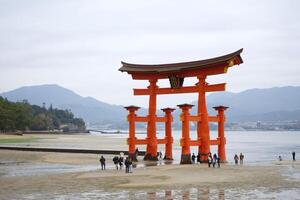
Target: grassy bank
(17, 139)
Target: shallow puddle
(184, 194)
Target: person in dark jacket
(130, 165)
(121, 162)
(214, 160)
(198, 158)
(193, 158)
(102, 162)
(116, 161)
(159, 155)
(236, 159)
(218, 161)
(126, 165)
(294, 155)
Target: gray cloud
(66, 41)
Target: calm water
(259, 147)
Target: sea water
(259, 147)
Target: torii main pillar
(202, 125)
(151, 151)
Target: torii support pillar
(221, 137)
(203, 124)
(185, 140)
(151, 151)
(132, 139)
(168, 133)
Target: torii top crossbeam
(212, 66)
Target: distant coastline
(112, 132)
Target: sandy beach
(83, 175)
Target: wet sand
(80, 141)
(143, 178)
(275, 176)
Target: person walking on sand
(198, 158)
(126, 165)
(193, 158)
(121, 162)
(236, 159)
(130, 165)
(116, 161)
(209, 160)
(136, 153)
(214, 161)
(241, 158)
(218, 161)
(294, 155)
(160, 155)
(102, 162)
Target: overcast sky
(80, 44)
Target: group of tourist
(293, 156)
(119, 162)
(239, 158)
(212, 159)
(194, 158)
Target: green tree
(42, 122)
(22, 115)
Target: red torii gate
(176, 73)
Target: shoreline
(40, 175)
(158, 178)
(65, 150)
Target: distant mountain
(278, 103)
(273, 104)
(88, 108)
(274, 116)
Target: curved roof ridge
(146, 68)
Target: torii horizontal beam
(187, 89)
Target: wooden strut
(185, 141)
(133, 141)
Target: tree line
(23, 116)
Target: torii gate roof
(210, 66)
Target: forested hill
(87, 108)
(266, 105)
(23, 116)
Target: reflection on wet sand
(168, 194)
(193, 193)
(185, 194)
(203, 193)
(155, 163)
(151, 195)
(221, 194)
